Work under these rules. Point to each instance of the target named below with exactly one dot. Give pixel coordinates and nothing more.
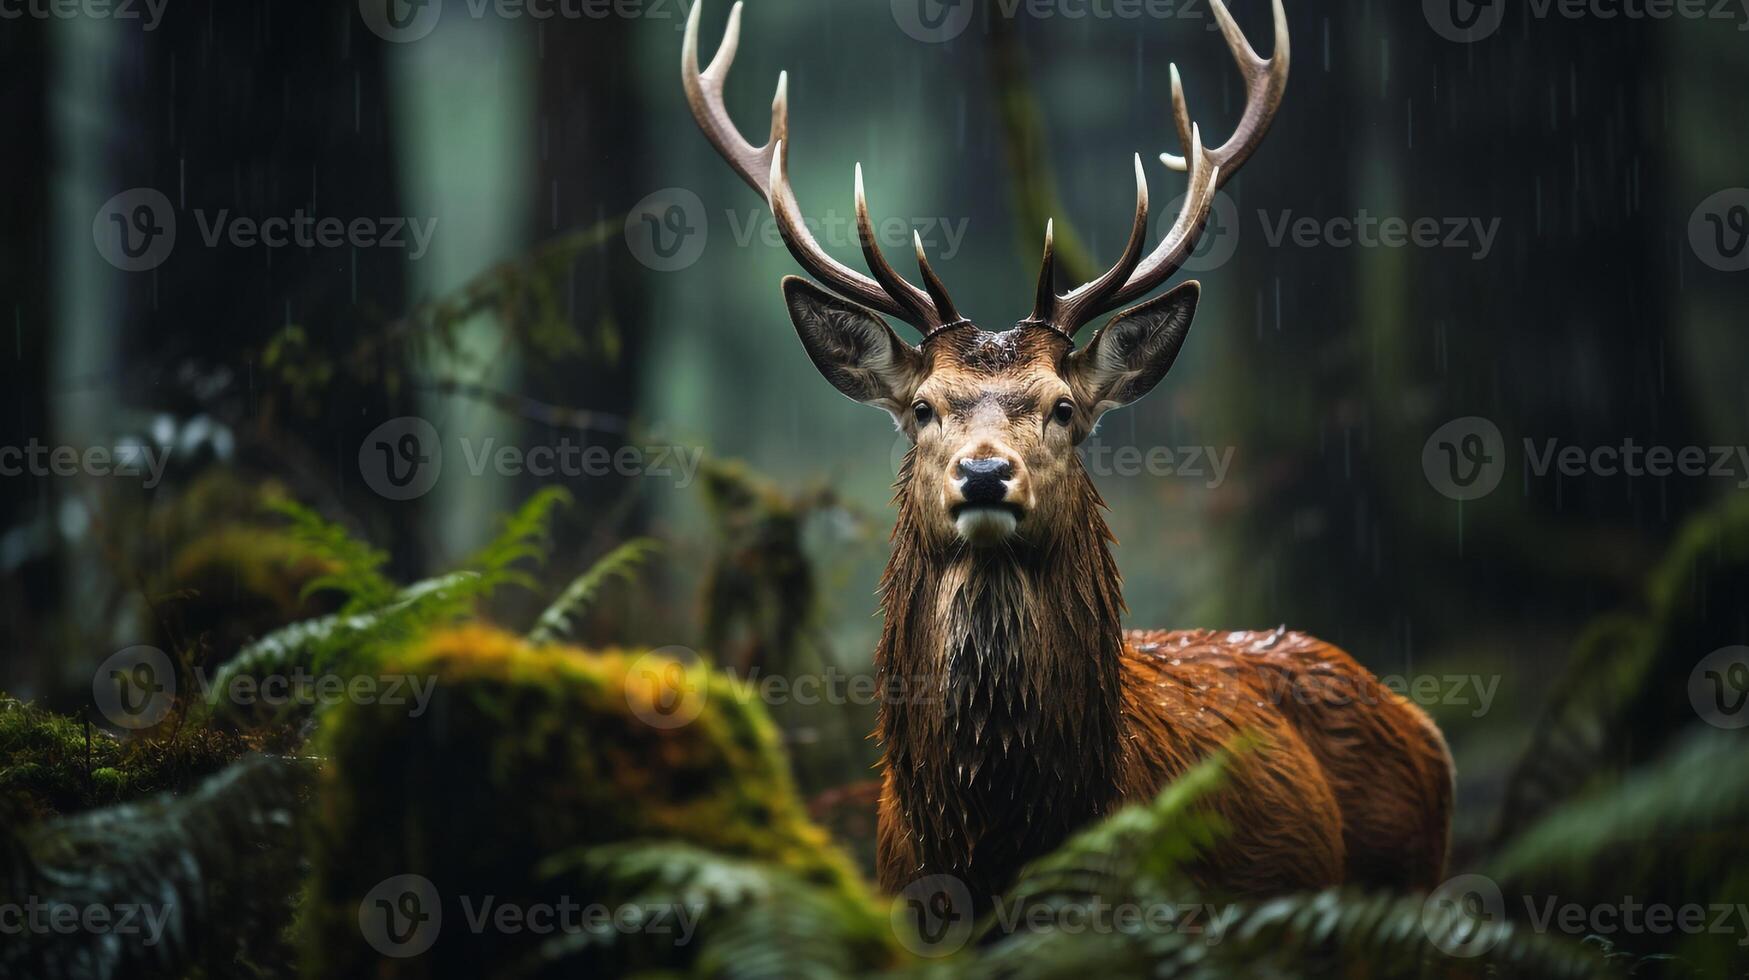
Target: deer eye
(1064, 413)
(923, 412)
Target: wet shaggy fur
(1024, 712)
(1019, 710)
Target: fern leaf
(346, 640)
(359, 576)
(556, 623)
(201, 879)
(523, 537)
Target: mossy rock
(234, 572)
(527, 754)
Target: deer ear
(854, 348)
(1129, 355)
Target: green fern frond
(359, 574)
(1700, 790)
(523, 537)
(556, 623)
(1394, 936)
(754, 920)
(348, 641)
(1139, 851)
(1330, 933)
(375, 621)
(206, 882)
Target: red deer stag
(1044, 712)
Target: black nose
(984, 480)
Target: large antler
(766, 170)
(1265, 81)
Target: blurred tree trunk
(27, 309)
(465, 97)
(1567, 349)
(590, 170)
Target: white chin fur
(983, 525)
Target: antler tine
(1072, 310)
(949, 314)
(766, 170)
(1265, 82)
(920, 306)
(1046, 303)
(1175, 249)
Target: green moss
(52, 765)
(525, 753)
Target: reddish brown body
(1351, 783)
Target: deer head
(994, 417)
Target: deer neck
(1003, 729)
